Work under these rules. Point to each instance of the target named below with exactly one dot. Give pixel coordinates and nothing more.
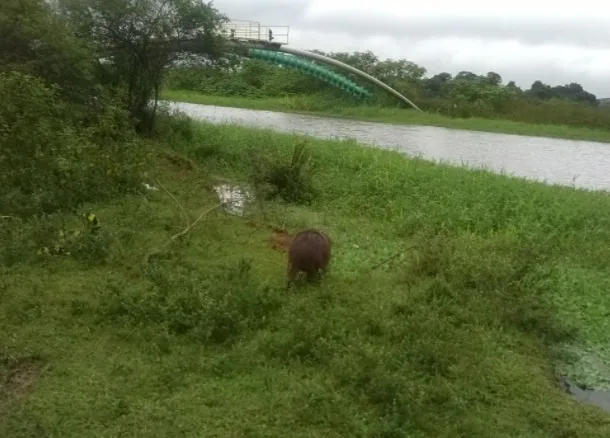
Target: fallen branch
(389, 259)
(188, 228)
(186, 216)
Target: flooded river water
(582, 164)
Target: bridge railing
(253, 31)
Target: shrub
(50, 162)
(292, 182)
(213, 306)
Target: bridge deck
(253, 32)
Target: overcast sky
(556, 42)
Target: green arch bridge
(267, 43)
(250, 39)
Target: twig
(186, 216)
(393, 257)
(188, 228)
(180, 234)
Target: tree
(435, 85)
(365, 61)
(493, 78)
(35, 41)
(575, 92)
(514, 88)
(540, 90)
(466, 75)
(401, 69)
(143, 38)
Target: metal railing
(253, 31)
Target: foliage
(461, 96)
(458, 335)
(35, 41)
(48, 162)
(139, 35)
(291, 181)
(76, 81)
(213, 307)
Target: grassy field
(305, 105)
(458, 334)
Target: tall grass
(461, 332)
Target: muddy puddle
(598, 398)
(234, 198)
(17, 378)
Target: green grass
(306, 105)
(458, 336)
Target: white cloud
(551, 42)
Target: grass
(459, 335)
(306, 105)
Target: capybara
(309, 252)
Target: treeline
(465, 94)
(77, 78)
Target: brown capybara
(309, 252)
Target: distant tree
(575, 92)
(540, 90)
(136, 32)
(493, 78)
(434, 85)
(34, 40)
(400, 69)
(514, 88)
(466, 75)
(365, 61)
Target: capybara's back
(309, 253)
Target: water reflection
(233, 198)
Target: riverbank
(449, 295)
(305, 105)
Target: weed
(53, 163)
(92, 249)
(292, 182)
(212, 307)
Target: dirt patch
(281, 240)
(17, 378)
(179, 162)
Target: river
(583, 164)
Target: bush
(50, 162)
(213, 306)
(174, 128)
(292, 182)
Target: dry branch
(188, 228)
(389, 259)
(187, 219)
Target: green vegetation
(458, 336)
(326, 107)
(466, 100)
(455, 296)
